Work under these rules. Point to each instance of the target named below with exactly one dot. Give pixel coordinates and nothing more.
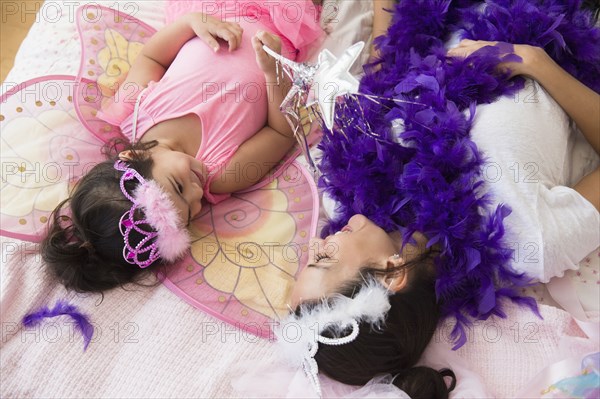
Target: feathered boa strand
(296, 333)
(432, 181)
(62, 307)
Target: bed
(150, 342)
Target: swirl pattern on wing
(248, 250)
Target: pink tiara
(166, 239)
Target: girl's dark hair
(84, 247)
(396, 346)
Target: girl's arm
(160, 51)
(580, 102)
(252, 161)
(261, 152)
(277, 87)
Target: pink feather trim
(173, 239)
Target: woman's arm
(580, 102)
(381, 19)
(160, 51)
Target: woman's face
(338, 258)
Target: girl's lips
(200, 178)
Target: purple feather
(433, 182)
(61, 308)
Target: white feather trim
(297, 334)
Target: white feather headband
(299, 336)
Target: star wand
(318, 84)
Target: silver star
(333, 79)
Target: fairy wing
(247, 251)
(111, 41)
(44, 148)
(44, 151)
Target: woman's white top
(533, 156)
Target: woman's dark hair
(84, 246)
(593, 6)
(396, 346)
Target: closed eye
(320, 256)
(179, 189)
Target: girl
(207, 106)
(386, 288)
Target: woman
(436, 243)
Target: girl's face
(182, 177)
(338, 258)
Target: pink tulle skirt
(281, 381)
(295, 21)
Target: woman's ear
(396, 281)
(126, 156)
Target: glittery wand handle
(280, 57)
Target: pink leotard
(227, 91)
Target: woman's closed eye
(321, 256)
(180, 188)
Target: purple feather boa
(61, 308)
(433, 182)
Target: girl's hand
(209, 29)
(264, 60)
(467, 47)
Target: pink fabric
(115, 112)
(295, 21)
(269, 379)
(228, 94)
(227, 91)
